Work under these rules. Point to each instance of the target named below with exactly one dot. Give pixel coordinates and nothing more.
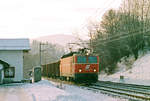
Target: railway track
(127, 91)
(132, 92)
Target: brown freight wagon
(51, 70)
(44, 70)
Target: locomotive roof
(69, 54)
(77, 53)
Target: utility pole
(40, 54)
(40, 50)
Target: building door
(1, 74)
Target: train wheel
(64, 78)
(61, 78)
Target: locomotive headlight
(80, 70)
(94, 70)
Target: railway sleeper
(124, 84)
(144, 91)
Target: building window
(9, 72)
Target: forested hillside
(121, 33)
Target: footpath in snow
(139, 74)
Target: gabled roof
(14, 44)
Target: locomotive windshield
(81, 59)
(92, 59)
(85, 59)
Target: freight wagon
(51, 70)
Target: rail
(123, 90)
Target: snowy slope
(49, 91)
(140, 72)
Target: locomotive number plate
(87, 67)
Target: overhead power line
(122, 37)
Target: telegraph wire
(119, 35)
(122, 37)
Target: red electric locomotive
(80, 67)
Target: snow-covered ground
(138, 74)
(49, 91)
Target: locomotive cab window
(92, 59)
(81, 59)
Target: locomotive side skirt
(85, 77)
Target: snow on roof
(14, 44)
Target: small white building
(11, 59)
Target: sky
(35, 18)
